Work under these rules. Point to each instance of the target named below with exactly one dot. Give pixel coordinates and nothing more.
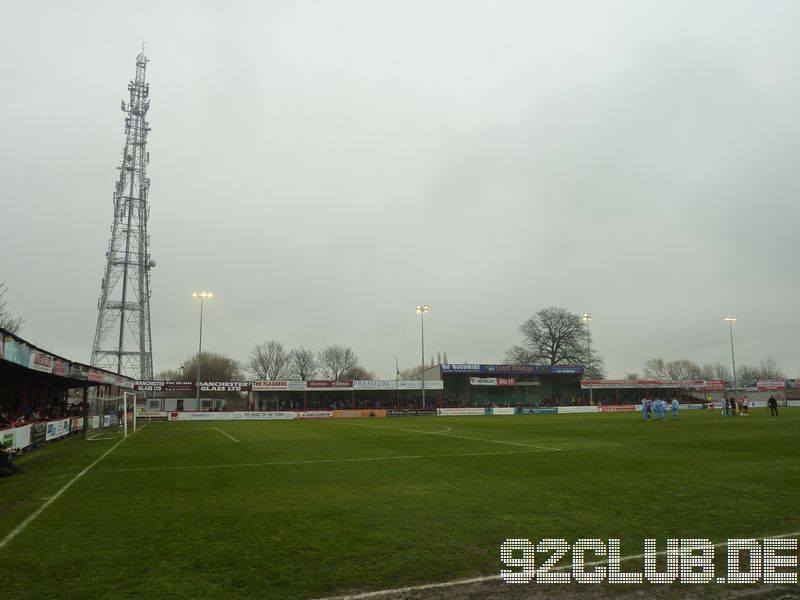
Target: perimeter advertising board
(463, 411)
(354, 414)
(57, 429)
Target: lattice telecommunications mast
(122, 341)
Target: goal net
(113, 414)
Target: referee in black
(773, 406)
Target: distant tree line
(272, 361)
(658, 368)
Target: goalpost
(113, 415)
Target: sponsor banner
(793, 403)
(16, 438)
(503, 410)
(492, 381)
(576, 409)
(279, 386)
(262, 415)
(76, 371)
(766, 385)
(350, 414)
(7, 437)
(314, 414)
(180, 386)
(652, 383)
(224, 386)
(617, 407)
(17, 352)
(22, 436)
(538, 411)
(461, 368)
(75, 424)
(714, 385)
(265, 386)
(148, 386)
(416, 384)
(60, 367)
(41, 362)
(164, 386)
(394, 384)
(410, 412)
(444, 412)
(473, 369)
(377, 384)
(95, 375)
(200, 416)
(38, 433)
(57, 429)
(312, 385)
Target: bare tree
(683, 369)
(409, 374)
(519, 355)
(555, 336)
(213, 367)
(269, 361)
(716, 371)
(655, 368)
(303, 364)
(769, 369)
(337, 361)
(360, 373)
(631, 376)
(8, 321)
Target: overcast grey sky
(323, 167)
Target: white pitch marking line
(228, 434)
(14, 532)
(486, 578)
(445, 430)
(325, 460)
(444, 433)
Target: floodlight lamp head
(422, 309)
(587, 316)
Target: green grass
(181, 510)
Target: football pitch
(310, 509)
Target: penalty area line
(445, 433)
(487, 578)
(228, 434)
(324, 460)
